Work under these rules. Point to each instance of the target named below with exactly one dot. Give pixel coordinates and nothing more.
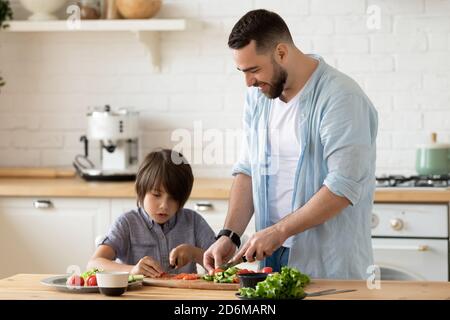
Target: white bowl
(42, 9)
(112, 283)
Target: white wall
(52, 78)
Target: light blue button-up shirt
(337, 128)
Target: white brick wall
(52, 78)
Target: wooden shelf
(97, 25)
(145, 30)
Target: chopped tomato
(192, 276)
(186, 276)
(267, 270)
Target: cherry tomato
(267, 270)
(91, 281)
(217, 270)
(75, 280)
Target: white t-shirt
(284, 146)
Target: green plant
(5, 14)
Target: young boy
(160, 235)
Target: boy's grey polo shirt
(135, 235)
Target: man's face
(261, 70)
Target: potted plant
(5, 14)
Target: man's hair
(267, 28)
(164, 168)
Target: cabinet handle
(42, 204)
(422, 247)
(204, 206)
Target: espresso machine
(116, 135)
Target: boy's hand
(181, 255)
(147, 266)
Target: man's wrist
(282, 230)
(233, 236)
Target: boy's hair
(166, 168)
(267, 28)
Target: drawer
(410, 220)
(395, 257)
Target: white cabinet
(120, 206)
(49, 235)
(410, 241)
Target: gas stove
(399, 181)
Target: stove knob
(375, 220)
(397, 224)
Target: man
(307, 169)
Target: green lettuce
(287, 284)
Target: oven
(410, 241)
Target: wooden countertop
(76, 187)
(28, 287)
(204, 188)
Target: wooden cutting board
(190, 284)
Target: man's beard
(277, 83)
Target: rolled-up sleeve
(243, 163)
(348, 132)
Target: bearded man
(307, 166)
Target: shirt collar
(166, 227)
(312, 81)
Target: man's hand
(262, 244)
(147, 266)
(218, 253)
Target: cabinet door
(121, 205)
(49, 235)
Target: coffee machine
(117, 135)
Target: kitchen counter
(204, 188)
(77, 187)
(28, 287)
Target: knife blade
(225, 266)
(327, 292)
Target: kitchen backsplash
(402, 61)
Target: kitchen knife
(230, 264)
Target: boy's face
(160, 205)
